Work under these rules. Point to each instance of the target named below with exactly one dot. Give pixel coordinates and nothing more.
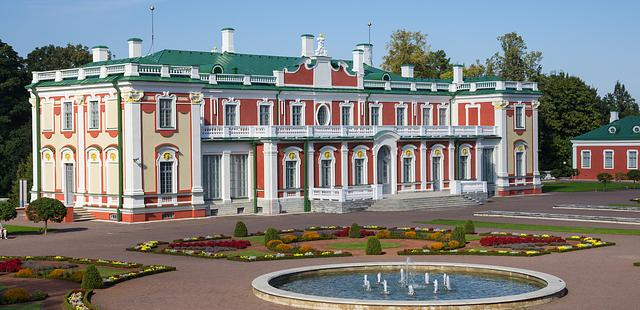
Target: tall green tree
(411, 47)
(474, 70)
(515, 62)
(620, 100)
(51, 57)
(568, 108)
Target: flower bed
(205, 254)
(18, 295)
(84, 261)
(148, 246)
(281, 256)
(235, 244)
(11, 265)
(203, 238)
(585, 243)
(501, 240)
(471, 252)
(144, 271)
(78, 300)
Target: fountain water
(379, 277)
(384, 287)
(402, 276)
(412, 292)
(448, 284)
(426, 278)
(435, 286)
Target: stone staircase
(422, 201)
(81, 214)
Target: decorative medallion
(520, 148)
(167, 156)
(327, 154)
(465, 151)
(112, 156)
(360, 154)
(436, 152)
(47, 156)
(292, 155)
(133, 96)
(94, 156)
(407, 152)
(67, 156)
(196, 97)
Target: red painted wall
(303, 76)
(597, 161)
(341, 78)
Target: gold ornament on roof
(520, 148)
(47, 156)
(93, 156)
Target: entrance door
(488, 170)
(436, 170)
(384, 166)
(68, 184)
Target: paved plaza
(602, 278)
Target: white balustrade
(467, 186)
(149, 69)
(115, 69)
(343, 194)
(180, 70)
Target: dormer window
(217, 70)
(612, 130)
(636, 129)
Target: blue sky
(596, 40)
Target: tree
(373, 246)
(409, 47)
(271, 234)
(7, 211)
(474, 70)
(458, 234)
(515, 63)
(568, 108)
(46, 209)
(91, 278)
(633, 175)
(240, 230)
(620, 100)
(354, 231)
(469, 227)
(604, 178)
(51, 57)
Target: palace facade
(178, 134)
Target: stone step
(415, 201)
(81, 214)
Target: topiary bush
(271, 234)
(283, 248)
(354, 231)
(273, 243)
(16, 295)
(91, 279)
(458, 234)
(469, 227)
(373, 246)
(437, 246)
(240, 230)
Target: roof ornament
(321, 51)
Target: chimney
(358, 60)
(307, 45)
(368, 50)
(227, 40)
(135, 47)
(100, 53)
(613, 116)
(407, 71)
(458, 74)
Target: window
(407, 166)
(519, 164)
(166, 113)
(442, 116)
(67, 115)
(238, 176)
(211, 176)
(632, 159)
(426, 116)
(401, 116)
(264, 118)
(166, 177)
(463, 164)
(322, 115)
(296, 115)
(519, 117)
(290, 174)
(325, 173)
(586, 159)
(375, 116)
(230, 115)
(358, 176)
(346, 116)
(94, 114)
(608, 159)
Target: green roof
(623, 130)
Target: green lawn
(472, 237)
(30, 306)
(247, 253)
(16, 230)
(107, 271)
(255, 240)
(510, 226)
(625, 205)
(357, 245)
(583, 186)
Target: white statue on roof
(321, 51)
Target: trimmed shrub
(240, 230)
(458, 234)
(354, 231)
(24, 273)
(271, 234)
(56, 274)
(469, 227)
(91, 279)
(383, 234)
(273, 243)
(373, 246)
(453, 244)
(283, 248)
(435, 236)
(305, 248)
(410, 234)
(16, 295)
(437, 246)
(288, 238)
(310, 236)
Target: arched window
(520, 160)
(360, 165)
(464, 162)
(217, 69)
(408, 164)
(326, 164)
(167, 171)
(48, 170)
(94, 171)
(292, 168)
(436, 169)
(323, 115)
(111, 174)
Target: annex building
(178, 134)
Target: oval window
(322, 116)
(636, 129)
(612, 129)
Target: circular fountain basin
(472, 286)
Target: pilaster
(479, 149)
(132, 156)
(423, 165)
(197, 99)
(81, 164)
(344, 167)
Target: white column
(502, 165)
(479, 148)
(132, 156)
(344, 167)
(452, 156)
(35, 152)
(423, 165)
(310, 166)
(271, 177)
(394, 168)
(536, 171)
(250, 179)
(196, 156)
(81, 188)
(225, 180)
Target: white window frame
(265, 102)
(348, 105)
(412, 174)
(236, 104)
(524, 160)
(296, 151)
(161, 157)
(404, 106)
(582, 165)
(604, 159)
(467, 167)
(300, 104)
(91, 178)
(173, 98)
(319, 106)
(523, 116)
(446, 115)
(469, 106)
(109, 161)
(332, 178)
(426, 108)
(63, 116)
(629, 157)
(219, 176)
(67, 156)
(365, 167)
(380, 115)
(91, 111)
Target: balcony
(332, 132)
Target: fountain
(338, 286)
